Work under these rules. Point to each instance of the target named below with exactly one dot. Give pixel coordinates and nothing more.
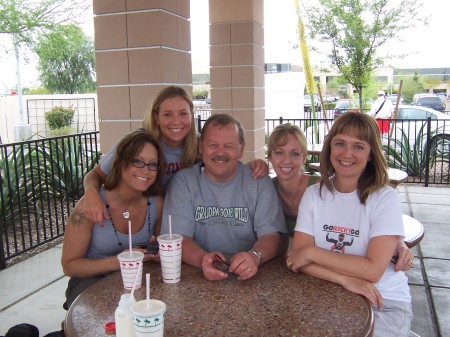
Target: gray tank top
(104, 241)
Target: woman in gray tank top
(133, 195)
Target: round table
(414, 231)
(276, 302)
(396, 176)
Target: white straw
(170, 226)
(147, 284)
(136, 278)
(129, 238)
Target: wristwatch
(258, 255)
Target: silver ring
(289, 263)
(411, 261)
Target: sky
(426, 46)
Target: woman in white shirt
(349, 226)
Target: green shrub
(200, 94)
(59, 117)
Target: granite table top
(276, 302)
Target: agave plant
(412, 156)
(16, 196)
(63, 163)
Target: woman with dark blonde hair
(349, 226)
(287, 151)
(159, 123)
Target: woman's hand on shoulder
(259, 167)
(94, 207)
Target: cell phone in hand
(152, 247)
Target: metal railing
(41, 180)
(419, 147)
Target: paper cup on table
(148, 319)
(129, 266)
(170, 257)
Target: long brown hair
(363, 127)
(190, 148)
(127, 150)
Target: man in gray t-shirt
(220, 209)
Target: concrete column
(237, 67)
(141, 46)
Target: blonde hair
(190, 148)
(363, 127)
(279, 137)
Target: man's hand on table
(243, 264)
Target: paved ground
(33, 290)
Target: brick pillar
(237, 67)
(141, 46)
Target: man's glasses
(152, 166)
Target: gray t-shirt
(227, 217)
(172, 159)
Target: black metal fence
(419, 147)
(41, 180)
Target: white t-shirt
(386, 110)
(340, 223)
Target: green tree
(26, 19)
(66, 60)
(411, 85)
(23, 20)
(356, 29)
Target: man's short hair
(223, 120)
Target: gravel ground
(23, 256)
(51, 224)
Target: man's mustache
(221, 158)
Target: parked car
(394, 98)
(442, 96)
(307, 103)
(331, 98)
(428, 100)
(410, 119)
(344, 105)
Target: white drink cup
(170, 247)
(130, 264)
(148, 319)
